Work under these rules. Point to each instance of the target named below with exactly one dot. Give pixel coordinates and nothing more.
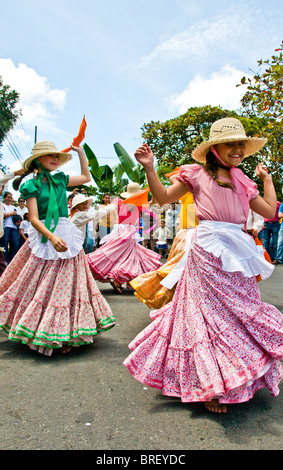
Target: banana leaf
(127, 162)
(106, 173)
(94, 167)
(118, 172)
(92, 160)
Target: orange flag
(80, 137)
(266, 255)
(138, 199)
(174, 172)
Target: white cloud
(217, 90)
(206, 40)
(38, 101)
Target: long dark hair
(212, 166)
(17, 181)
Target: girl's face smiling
(49, 162)
(232, 153)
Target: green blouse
(41, 191)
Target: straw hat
(132, 188)
(79, 198)
(227, 130)
(46, 147)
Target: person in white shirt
(254, 223)
(161, 234)
(80, 215)
(24, 227)
(4, 178)
(21, 210)
(171, 216)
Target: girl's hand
(144, 156)
(262, 172)
(58, 243)
(77, 149)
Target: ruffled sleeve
(29, 189)
(190, 175)
(249, 185)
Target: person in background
(81, 215)
(24, 227)
(254, 223)
(4, 178)
(70, 201)
(270, 233)
(10, 240)
(161, 235)
(171, 215)
(21, 209)
(106, 222)
(279, 252)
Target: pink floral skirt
(46, 304)
(215, 339)
(121, 258)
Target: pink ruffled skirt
(121, 258)
(48, 303)
(215, 339)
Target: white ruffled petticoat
(65, 230)
(236, 249)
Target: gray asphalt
(87, 400)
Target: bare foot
(66, 349)
(215, 406)
(116, 286)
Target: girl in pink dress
(121, 258)
(216, 342)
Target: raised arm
(85, 175)
(266, 205)
(162, 195)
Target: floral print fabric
(215, 339)
(47, 303)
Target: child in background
(161, 235)
(24, 227)
(80, 214)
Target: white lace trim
(65, 230)
(237, 251)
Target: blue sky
(127, 62)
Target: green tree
(8, 113)
(264, 98)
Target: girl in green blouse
(48, 297)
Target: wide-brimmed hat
(132, 188)
(79, 198)
(45, 147)
(227, 130)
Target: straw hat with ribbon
(227, 130)
(46, 147)
(79, 199)
(132, 188)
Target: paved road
(88, 400)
